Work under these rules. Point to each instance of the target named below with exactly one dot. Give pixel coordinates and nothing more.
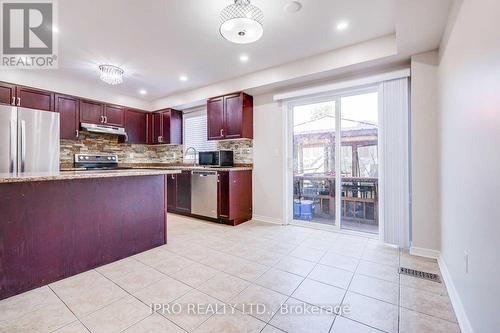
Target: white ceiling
(156, 41)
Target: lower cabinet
(234, 196)
(179, 192)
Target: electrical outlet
(466, 262)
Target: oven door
(208, 158)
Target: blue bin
(296, 209)
(303, 209)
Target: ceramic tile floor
(236, 273)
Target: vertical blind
(395, 183)
(195, 132)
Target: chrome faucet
(194, 153)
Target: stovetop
(97, 161)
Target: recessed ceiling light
(342, 25)
(143, 92)
(293, 7)
(183, 78)
(244, 58)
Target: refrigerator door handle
(23, 145)
(13, 146)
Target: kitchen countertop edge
(71, 175)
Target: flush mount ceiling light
(241, 22)
(111, 74)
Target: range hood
(104, 129)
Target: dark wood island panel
(50, 230)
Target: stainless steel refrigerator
(29, 140)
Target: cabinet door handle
(77, 133)
(105, 119)
(19, 101)
(13, 100)
(221, 132)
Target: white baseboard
(267, 219)
(423, 252)
(463, 320)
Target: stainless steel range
(97, 162)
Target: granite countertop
(159, 166)
(89, 174)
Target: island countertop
(87, 174)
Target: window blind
(195, 133)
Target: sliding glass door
(314, 127)
(335, 161)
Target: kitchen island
(55, 225)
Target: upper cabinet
(166, 127)
(35, 99)
(136, 126)
(230, 117)
(114, 115)
(97, 113)
(91, 112)
(26, 97)
(7, 93)
(69, 113)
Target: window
(195, 133)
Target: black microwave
(218, 158)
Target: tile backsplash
(242, 148)
(127, 153)
(138, 153)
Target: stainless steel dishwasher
(204, 193)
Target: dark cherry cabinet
(69, 113)
(7, 93)
(26, 97)
(35, 99)
(167, 127)
(156, 125)
(97, 113)
(179, 192)
(114, 115)
(183, 191)
(91, 112)
(230, 117)
(234, 196)
(136, 126)
(215, 118)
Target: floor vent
(419, 274)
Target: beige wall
(469, 83)
(268, 160)
(426, 230)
